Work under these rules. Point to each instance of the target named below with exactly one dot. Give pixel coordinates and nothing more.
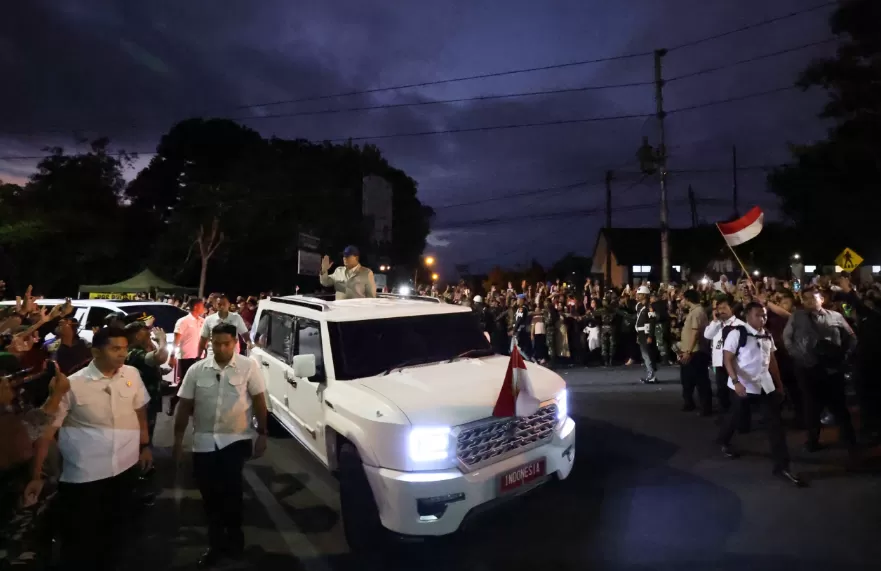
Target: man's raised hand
(326, 264)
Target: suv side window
(96, 316)
(309, 343)
(275, 331)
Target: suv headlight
(562, 405)
(429, 444)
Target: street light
(796, 257)
(756, 273)
(428, 261)
(434, 277)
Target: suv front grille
(489, 441)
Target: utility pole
(734, 175)
(608, 274)
(692, 203)
(662, 165)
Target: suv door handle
(265, 363)
(291, 379)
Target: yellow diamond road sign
(848, 260)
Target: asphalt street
(649, 491)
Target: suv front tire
(361, 523)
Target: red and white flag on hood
(744, 228)
(517, 397)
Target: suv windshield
(368, 348)
(166, 315)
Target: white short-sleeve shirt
(214, 320)
(222, 407)
(753, 359)
(714, 332)
(99, 433)
(189, 327)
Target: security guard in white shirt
(753, 376)
(724, 321)
(222, 393)
(104, 444)
(223, 315)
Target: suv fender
(342, 426)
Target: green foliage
(66, 225)
(263, 194)
(834, 184)
(77, 221)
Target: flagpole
(736, 257)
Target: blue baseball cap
(351, 251)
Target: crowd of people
(734, 343)
(77, 421)
(822, 334)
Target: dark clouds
(129, 69)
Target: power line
(508, 95)
(449, 80)
(518, 194)
(733, 99)
(444, 101)
(539, 68)
(506, 73)
(754, 25)
(582, 212)
(545, 216)
(752, 59)
(539, 191)
(410, 104)
(500, 127)
(421, 133)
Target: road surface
(649, 492)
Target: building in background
(376, 209)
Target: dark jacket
(805, 336)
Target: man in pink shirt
(185, 352)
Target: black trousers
(723, 393)
(219, 477)
(770, 404)
(821, 388)
(695, 374)
(183, 365)
(793, 390)
(724, 396)
(96, 521)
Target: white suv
(395, 396)
(93, 313)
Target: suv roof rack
(425, 298)
(302, 301)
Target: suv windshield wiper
(406, 363)
(473, 353)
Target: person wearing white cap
(645, 324)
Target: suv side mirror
(304, 366)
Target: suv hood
(451, 394)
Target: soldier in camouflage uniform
(608, 316)
(549, 315)
(662, 326)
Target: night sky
(128, 70)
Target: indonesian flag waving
(517, 397)
(744, 228)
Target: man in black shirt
(71, 353)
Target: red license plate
(522, 475)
